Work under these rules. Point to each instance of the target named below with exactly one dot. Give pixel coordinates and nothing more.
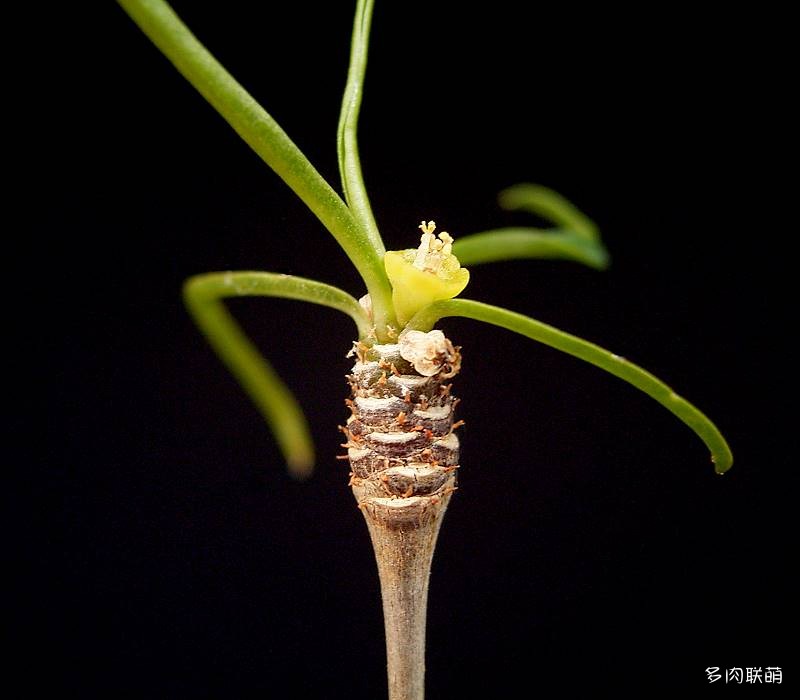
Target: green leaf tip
(723, 462)
(300, 467)
(548, 204)
(575, 237)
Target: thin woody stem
(404, 554)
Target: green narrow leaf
(204, 294)
(516, 243)
(547, 203)
(263, 134)
(355, 190)
(618, 366)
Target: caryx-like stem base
(403, 456)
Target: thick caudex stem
(403, 457)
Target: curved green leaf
(204, 294)
(547, 203)
(263, 134)
(515, 243)
(618, 366)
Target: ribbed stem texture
(403, 457)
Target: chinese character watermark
(773, 674)
(748, 674)
(734, 675)
(754, 675)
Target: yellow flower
(429, 273)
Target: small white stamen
(432, 251)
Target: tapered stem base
(403, 454)
(404, 539)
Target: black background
(167, 553)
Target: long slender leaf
(514, 243)
(204, 294)
(262, 133)
(355, 191)
(618, 366)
